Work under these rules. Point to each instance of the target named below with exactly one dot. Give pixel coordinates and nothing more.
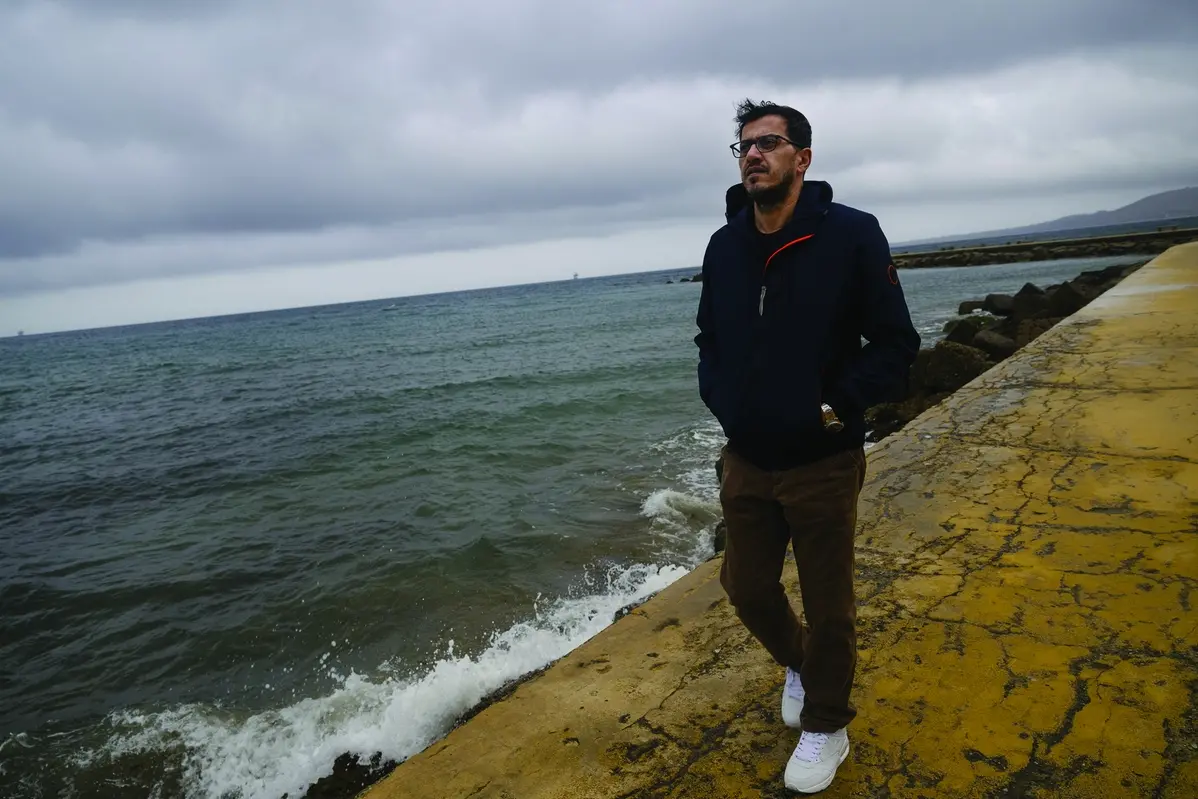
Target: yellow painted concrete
(1027, 556)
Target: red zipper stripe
(783, 247)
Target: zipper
(761, 301)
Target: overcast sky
(163, 159)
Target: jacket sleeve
(879, 373)
(705, 340)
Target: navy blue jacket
(781, 319)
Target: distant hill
(1154, 208)
(1178, 205)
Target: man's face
(768, 177)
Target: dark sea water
(236, 548)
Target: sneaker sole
(823, 785)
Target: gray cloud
(146, 138)
(533, 45)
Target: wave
(694, 450)
(205, 751)
(277, 752)
(684, 524)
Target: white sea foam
(682, 517)
(692, 452)
(682, 523)
(283, 751)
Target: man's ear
(804, 161)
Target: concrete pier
(1027, 564)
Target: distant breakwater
(1149, 243)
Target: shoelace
(811, 744)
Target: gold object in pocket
(831, 422)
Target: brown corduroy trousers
(813, 508)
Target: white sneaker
(815, 760)
(792, 699)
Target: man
(791, 284)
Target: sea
(237, 548)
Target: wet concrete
(1027, 566)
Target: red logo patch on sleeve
(892, 273)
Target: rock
(697, 278)
(962, 331)
(1101, 277)
(918, 374)
(350, 777)
(994, 344)
(969, 306)
(947, 367)
(890, 417)
(721, 536)
(999, 304)
(1090, 292)
(1066, 300)
(1006, 326)
(1131, 270)
(1031, 329)
(624, 611)
(1029, 301)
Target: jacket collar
(814, 201)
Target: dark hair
(798, 129)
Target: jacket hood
(814, 200)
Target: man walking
(791, 284)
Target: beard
(769, 196)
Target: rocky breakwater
(1146, 242)
(985, 332)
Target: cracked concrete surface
(1027, 566)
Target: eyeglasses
(764, 144)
